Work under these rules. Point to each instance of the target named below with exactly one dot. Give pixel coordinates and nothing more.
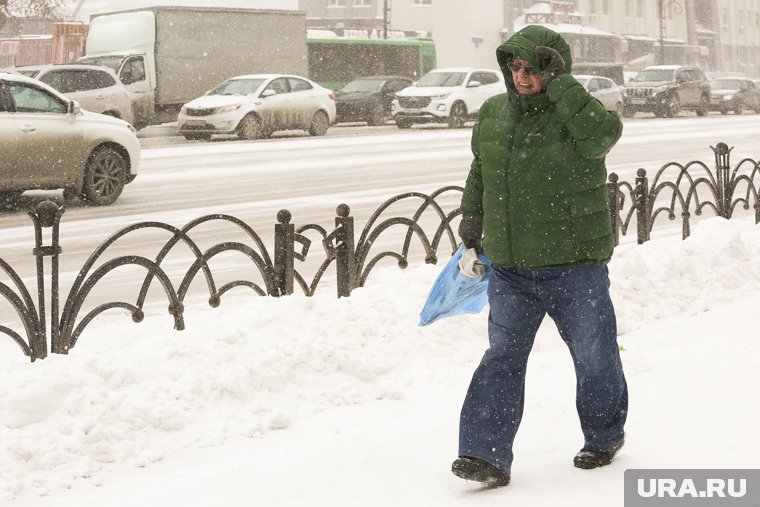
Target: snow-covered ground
(347, 402)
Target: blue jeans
(578, 301)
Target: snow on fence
(416, 223)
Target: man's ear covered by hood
(523, 45)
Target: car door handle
(27, 129)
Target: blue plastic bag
(453, 293)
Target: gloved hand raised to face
(471, 230)
(552, 64)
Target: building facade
(721, 36)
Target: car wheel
(250, 127)
(739, 107)
(673, 107)
(378, 116)
(403, 124)
(319, 124)
(704, 106)
(197, 136)
(104, 177)
(457, 115)
(8, 198)
(70, 194)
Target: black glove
(471, 230)
(552, 64)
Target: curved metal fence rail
(414, 222)
(680, 190)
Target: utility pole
(386, 17)
(509, 21)
(76, 9)
(661, 6)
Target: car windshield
(363, 85)
(726, 84)
(442, 79)
(654, 75)
(112, 62)
(583, 81)
(237, 87)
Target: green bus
(333, 62)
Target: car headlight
(660, 89)
(728, 97)
(226, 109)
(132, 128)
(440, 97)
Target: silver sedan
(604, 89)
(256, 105)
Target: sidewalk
(688, 410)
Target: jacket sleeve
(594, 128)
(472, 198)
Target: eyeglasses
(515, 67)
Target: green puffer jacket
(538, 176)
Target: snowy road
(311, 176)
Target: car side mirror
(73, 107)
(268, 93)
(473, 84)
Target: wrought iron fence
(354, 259)
(680, 190)
(277, 274)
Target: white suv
(48, 142)
(446, 95)
(95, 88)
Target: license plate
(638, 102)
(195, 123)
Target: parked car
(369, 98)
(734, 94)
(48, 142)
(604, 89)
(667, 89)
(612, 71)
(450, 96)
(257, 105)
(95, 88)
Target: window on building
(639, 8)
(336, 3)
(362, 3)
(592, 6)
(422, 2)
(724, 25)
(605, 7)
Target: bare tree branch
(50, 9)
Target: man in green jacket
(536, 192)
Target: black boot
(587, 460)
(474, 469)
